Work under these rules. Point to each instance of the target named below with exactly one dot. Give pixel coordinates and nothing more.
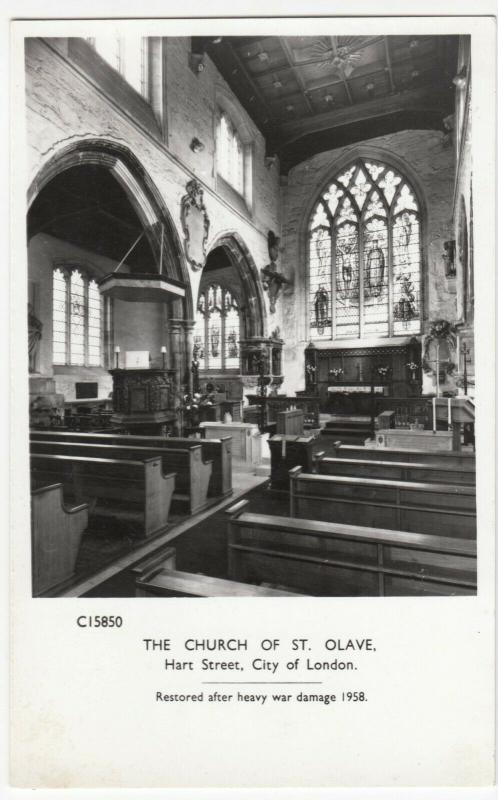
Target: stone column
(175, 337)
(189, 325)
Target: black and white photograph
(252, 286)
(251, 315)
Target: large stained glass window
(76, 319)
(217, 329)
(364, 263)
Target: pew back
(331, 559)
(430, 508)
(218, 451)
(395, 470)
(192, 474)
(447, 460)
(158, 577)
(140, 485)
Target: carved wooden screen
(364, 263)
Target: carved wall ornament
(442, 337)
(272, 279)
(195, 223)
(35, 328)
(449, 258)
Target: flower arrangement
(412, 365)
(192, 402)
(336, 372)
(383, 371)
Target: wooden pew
(218, 451)
(192, 473)
(431, 508)
(334, 559)
(393, 470)
(447, 460)
(56, 533)
(158, 577)
(137, 485)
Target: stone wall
(427, 159)
(65, 105)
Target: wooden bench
(218, 451)
(431, 508)
(393, 470)
(158, 577)
(334, 559)
(56, 533)
(448, 460)
(139, 486)
(192, 473)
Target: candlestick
(164, 351)
(437, 369)
(434, 415)
(117, 351)
(449, 412)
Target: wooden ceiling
(308, 94)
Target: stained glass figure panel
(347, 310)
(320, 283)
(406, 274)
(232, 335)
(199, 339)
(214, 339)
(375, 279)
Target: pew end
(146, 569)
(236, 510)
(56, 532)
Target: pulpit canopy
(141, 287)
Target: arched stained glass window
(217, 329)
(76, 319)
(364, 261)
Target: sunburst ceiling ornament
(341, 58)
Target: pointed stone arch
(143, 194)
(253, 299)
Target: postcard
(252, 342)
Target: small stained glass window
(217, 329)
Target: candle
(449, 412)
(164, 351)
(434, 415)
(116, 354)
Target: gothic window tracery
(364, 261)
(217, 329)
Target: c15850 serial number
(99, 621)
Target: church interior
(251, 316)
